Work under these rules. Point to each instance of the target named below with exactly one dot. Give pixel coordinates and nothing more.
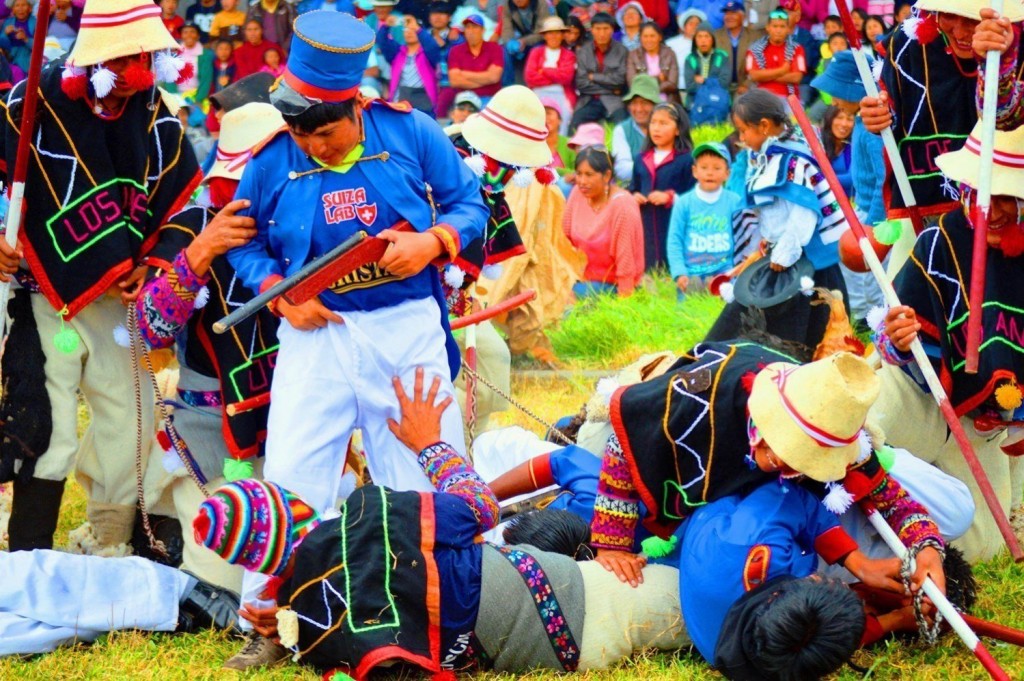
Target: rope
(136, 349)
(929, 633)
(518, 405)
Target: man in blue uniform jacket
(344, 166)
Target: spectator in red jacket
(551, 69)
(249, 55)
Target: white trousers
(911, 419)
(947, 499)
(50, 598)
(334, 379)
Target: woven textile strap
(555, 623)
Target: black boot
(34, 513)
(206, 606)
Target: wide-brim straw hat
(971, 9)
(812, 415)
(551, 24)
(964, 164)
(241, 131)
(112, 29)
(511, 129)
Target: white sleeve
(622, 156)
(788, 227)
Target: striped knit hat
(254, 524)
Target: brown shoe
(257, 652)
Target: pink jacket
(423, 67)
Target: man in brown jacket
(276, 16)
(736, 39)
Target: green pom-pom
(886, 456)
(235, 470)
(888, 232)
(341, 676)
(656, 547)
(66, 340)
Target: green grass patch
(610, 331)
(711, 133)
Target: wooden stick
(256, 402)
(955, 619)
(916, 349)
(888, 139)
(980, 214)
(28, 119)
(494, 310)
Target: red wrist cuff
(872, 631)
(833, 544)
(540, 471)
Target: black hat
(252, 88)
(761, 286)
(439, 8)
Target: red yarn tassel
(75, 87)
(928, 29)
(544, 175)
(186, 73)
(138, 76)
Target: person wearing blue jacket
(346, 167)
(841, 81)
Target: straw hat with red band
(241, 131)
(511, 129)
(963, 165)
(112, 29)
(328, 55)
(1012, 9)
(812, 415)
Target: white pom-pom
(492, 272)
(168, 66)
(838, 500)
(876, 69)
(288, 627)
(171, 461)
(121, 336)
(523, 178)
(806, 286)
(864, 442)
(202, 298)
(606, 387)
(454, 276)
(910, 25)
(103, 80)
(477, 164)
(727, 292)
(72, 71)
(876, 318)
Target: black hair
(838, 34)
(603, 18)
(319, 115)
(683, 142)
(575, 22)
(864, 29)
(651, 24)
(833, 145)
(552, 530)
(596, 156)
(834, 17)
(223, 41)
(858, 12)
(756, 104)
(961, 587)
(809, 630)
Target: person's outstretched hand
(420, 426)
(901, 326)
(628, 567)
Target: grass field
(585, 341)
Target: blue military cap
(733, 6)
(328, 55)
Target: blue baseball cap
(328, 56)
(473, 19)
(733, 6)
(841, 79)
